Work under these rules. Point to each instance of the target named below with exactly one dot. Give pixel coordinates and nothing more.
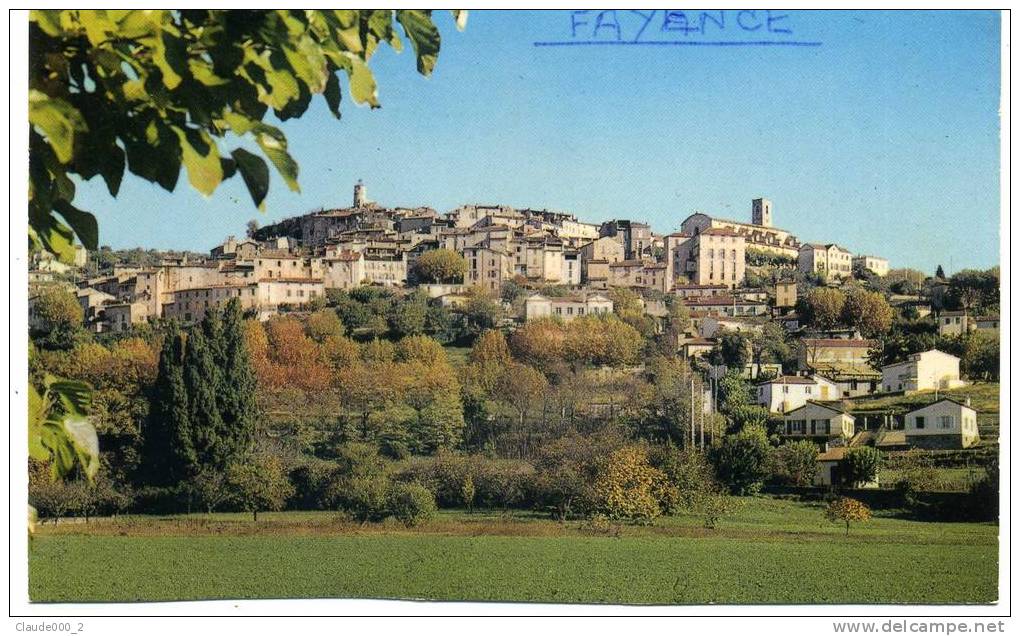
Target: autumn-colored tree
(323, 324)
(440, 266)
(295, 359)
(847, 510)
(490, 347)
(539, 342)
(823, 307)
(57, 318)
(598, 340)
(339, 352)
(421, 349)
(626, 484)
(378, 351)
(868, 312)
(521, 386)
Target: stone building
(831, 261)
(759, 234)
(874, 264)
(712, 256)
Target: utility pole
(702, 419)
(692, 411)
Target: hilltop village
(808, 327)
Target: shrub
(688, 476)
(626, 484)
(847, 510)
(742, 460)
(411, 504)
(365, 498)
(713, 506)
(794, 463)
(258, 482)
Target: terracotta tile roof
(719, 231)
(839, 342)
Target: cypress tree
(237, 393)
(202, 378)
(167, 439)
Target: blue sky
(885, 138)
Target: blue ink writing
(731, 28)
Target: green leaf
(48, 20)
(363, 88)
(53, 236)
(169, 54)
(274, 145)
(255, 174)
(202, 159)
(424, 37)
(82, 437)
(204, 73)
(83, 223)
(74, 396)
(332, 94)
(57, 120)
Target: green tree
(323, 324)
(167, 437)
(732, 350)
(237, 406)
(823, 307)
(768, 345)
(57, 309)
(861, 465)
(742, 460)
(148, 91)
(980, 358)
(794, 463)
(411, 504)
(202, 380)
(258, 482)
(440, 266)
(407, 317)
(868, 312)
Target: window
(919, 422)
(946, 421)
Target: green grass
(984, 398)
(768, 551)
(950, 479)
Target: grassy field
(984, 397)
(768, 551)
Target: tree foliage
(847, 510)
(150, 91)
(203, 408)
(625, 486)
(861, 465)
(823, 307)
(742, 460)
(258, 482)
(440, 266)
(868, 312)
